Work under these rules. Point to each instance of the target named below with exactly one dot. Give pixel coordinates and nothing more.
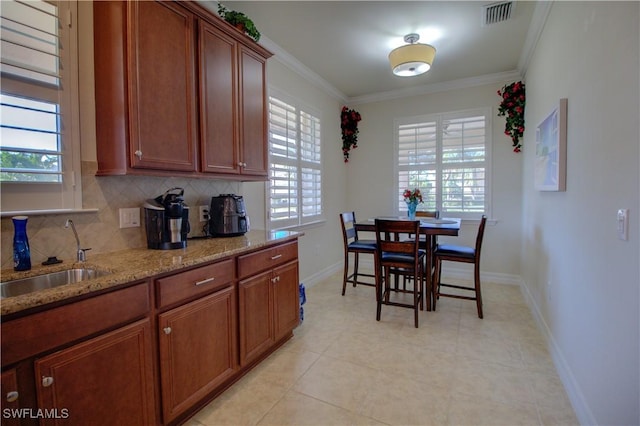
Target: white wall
(582, 281)
(371, 171)
(320, 248)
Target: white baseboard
(580, 406)
(456, 273)
(313, 279)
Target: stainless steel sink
(53, 279)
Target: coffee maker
(167, 220)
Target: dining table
(431, 228)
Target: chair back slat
(386, 236)
(431, 213)
(347, 222)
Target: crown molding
(538, 21)
(295, 65)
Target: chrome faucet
(82, 255)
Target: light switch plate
(129, 218)
(623, 224)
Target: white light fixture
(413, 58)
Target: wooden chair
(434, 214)
(352, 244)
(401, 257)
(454, 253)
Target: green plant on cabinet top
(240, 21)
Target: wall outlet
(129, 218)
(203, 213)
(623, 224)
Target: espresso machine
(167, 220)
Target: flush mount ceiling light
(413, 58)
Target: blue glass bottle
(21, 252)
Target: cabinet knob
(47, 381)
(167, 330)
(275, 279)
(12, 396)
(138, 154)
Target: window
(295, 166)
(38, 106)
(447, 157)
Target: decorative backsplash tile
(101, 230)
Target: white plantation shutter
(295, 167)
(39, 106)
(446, 157)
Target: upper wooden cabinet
(178, 91)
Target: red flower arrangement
(414, 196)
(349, 125)
(512, 106)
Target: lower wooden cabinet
(10, 398)
(198, 352)
(286, 300)
(269, 309)
(107, 380)
(119, 358)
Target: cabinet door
(107, 380)
(218, 101)
(198, 352)
(286, 300)
(162, 89)
(256, 316)
(10, 397)
(253, 119)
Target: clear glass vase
(411, 209)
(21, 252)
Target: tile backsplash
(101, 230)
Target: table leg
(429, 276)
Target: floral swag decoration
(512, 107)
(349, 125)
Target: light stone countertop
(136, 264)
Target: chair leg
(435, 284)
(355, 268)
(476, 279)
(346, 271)
(379, 290)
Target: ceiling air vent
(497, 12)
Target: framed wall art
(551, 150)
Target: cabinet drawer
(194, 282)
(37, 333)
(252, 263)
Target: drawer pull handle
(47, 381)
(208, 280)
(12, 396)
(277, 256)
(167, 330)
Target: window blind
(295, 171)
(445, 156)
(30, 118)
(39, 106)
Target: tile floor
(343, 367)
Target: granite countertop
(135, 264)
